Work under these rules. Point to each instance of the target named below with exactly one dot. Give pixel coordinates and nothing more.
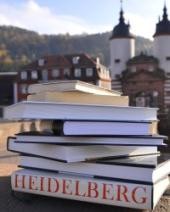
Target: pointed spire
(163, 25)
(121, 30)
(165, 15)
(121, 19)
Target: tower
(122, 46)
(162, 42)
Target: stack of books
(89, 145)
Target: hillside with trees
(19, 46)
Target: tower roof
(163, 26)
(142, 58)
(121, 30)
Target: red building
(143, 81)
(62, 67)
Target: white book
(142, 168)
(71, 85)
(77, 153)
(51, 110)
(124, 194)
(49, 138)
(99, 128)
(79, 97)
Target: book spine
(107, 192)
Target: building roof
(80, 60)
(63, 61)
(142, 58)
(157, 73)
(163, 26)
(122, 30)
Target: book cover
(71, 85)
(99, 128)
(77, 153)
(146, 169)
(49, 110)
(88, 189)
(50, 138)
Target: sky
(78, 16)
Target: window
(77, 72)
(89, 72)
(23, 75)
(44, 75)
(41, 62)
(75, 60)
(34, 75)
(23, 88)
(117, 60)
(66, 72)
(55, 73)
(133, 69)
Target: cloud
(141, 25)
(32, 16)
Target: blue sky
(78, 16)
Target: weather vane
(164, 3)
(121, 3)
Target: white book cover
(124, 194)
(79, 97)
(71, 85)
(51, 110)
(77, 153)
(144, 168)
(44, 137)
(108, 128)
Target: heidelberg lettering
(106, 192)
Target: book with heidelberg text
(71, 85)
(89, 189)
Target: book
(98, 128)
(143, 168)
(76, 153)
(50, 138)
(88, 189)
(51, 110)
(71, 85)
(79, 97)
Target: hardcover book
(79, 97)
(71, 85)
(99, 128)
(50, 138)
(77, 153)
(49, 110)
(143, 168)
(109, 192)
